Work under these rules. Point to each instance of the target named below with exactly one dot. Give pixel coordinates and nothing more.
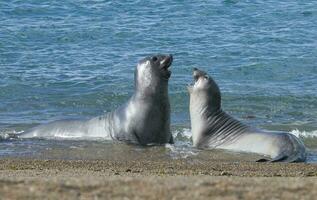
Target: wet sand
(150, 179)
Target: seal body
(214, 128)
(144, 119)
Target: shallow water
(75, 59)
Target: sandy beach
(76, 76)
(174, 179)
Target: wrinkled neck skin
(202, 107)
(203, 104)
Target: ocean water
(75, 59)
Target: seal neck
(202, 100)
(157, 92)
(214, 102)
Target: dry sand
(174, 179)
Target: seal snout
(198, 73)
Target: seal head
(205, 89)
(152, 73)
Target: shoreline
(141, 179)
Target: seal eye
(206, 77)
(154, 58)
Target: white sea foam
(185, 133)
(304, 134)
(180, 151)
(5, 135)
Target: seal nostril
(195, 69)
(154, 58)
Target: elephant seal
(214, 128)
(144, 119)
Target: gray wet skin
(213, 128)
(144, 119)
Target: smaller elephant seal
(144, 119)
(214, 128)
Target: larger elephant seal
(144, 119)
(213, 128)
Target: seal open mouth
(196, 75)
(167, 62)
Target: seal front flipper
(263, 160)
(281, 158)
(277, 159)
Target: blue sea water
(75, 59)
